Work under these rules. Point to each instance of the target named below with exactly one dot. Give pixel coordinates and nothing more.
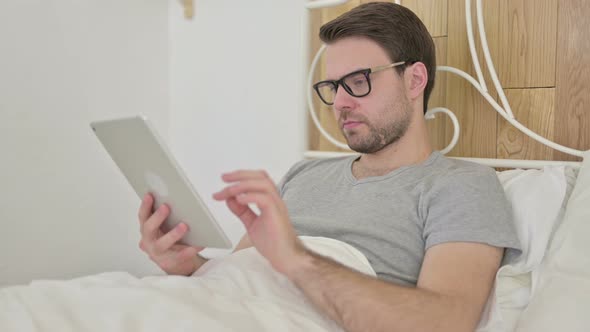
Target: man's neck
(412, 149)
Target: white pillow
(562, 299)
(537, 197)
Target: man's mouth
(351, 124)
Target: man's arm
(452, 289)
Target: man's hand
(270, 231)
(162, 248)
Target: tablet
(149, 167)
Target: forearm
(362, 303)
(190, 266)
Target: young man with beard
(434, 229)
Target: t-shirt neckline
(350, 177)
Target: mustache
(347, 116)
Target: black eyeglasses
(357, 83)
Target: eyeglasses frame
(366, 72)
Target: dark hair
(395, 28)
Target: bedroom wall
(65, 209)
(224, 90)
(542, 57)
(236, 93)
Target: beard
(380, 136)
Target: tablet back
(149, 167)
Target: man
(434, 229)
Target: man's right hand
(162, 248)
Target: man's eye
(359, 82)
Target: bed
(546, 288)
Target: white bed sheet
(239, 292)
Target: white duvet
(239, 292)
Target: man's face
(382, 117)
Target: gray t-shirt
(393, 219)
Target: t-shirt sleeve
(295, 169)
(469, 206)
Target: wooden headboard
(541, 53)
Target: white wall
(236, 92)
(224, 88)
(65, 210)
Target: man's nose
(343, 100)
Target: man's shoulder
(453, 168)
(455, 174)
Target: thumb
(242, 211)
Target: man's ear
(416, 77)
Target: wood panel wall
(541, 52)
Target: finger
(145, 209)
(188, 253)
(166, 241)
(152, 225)
(244, 175)
(263, 201)
(242, 211)
(244, 186)
(180, 247)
